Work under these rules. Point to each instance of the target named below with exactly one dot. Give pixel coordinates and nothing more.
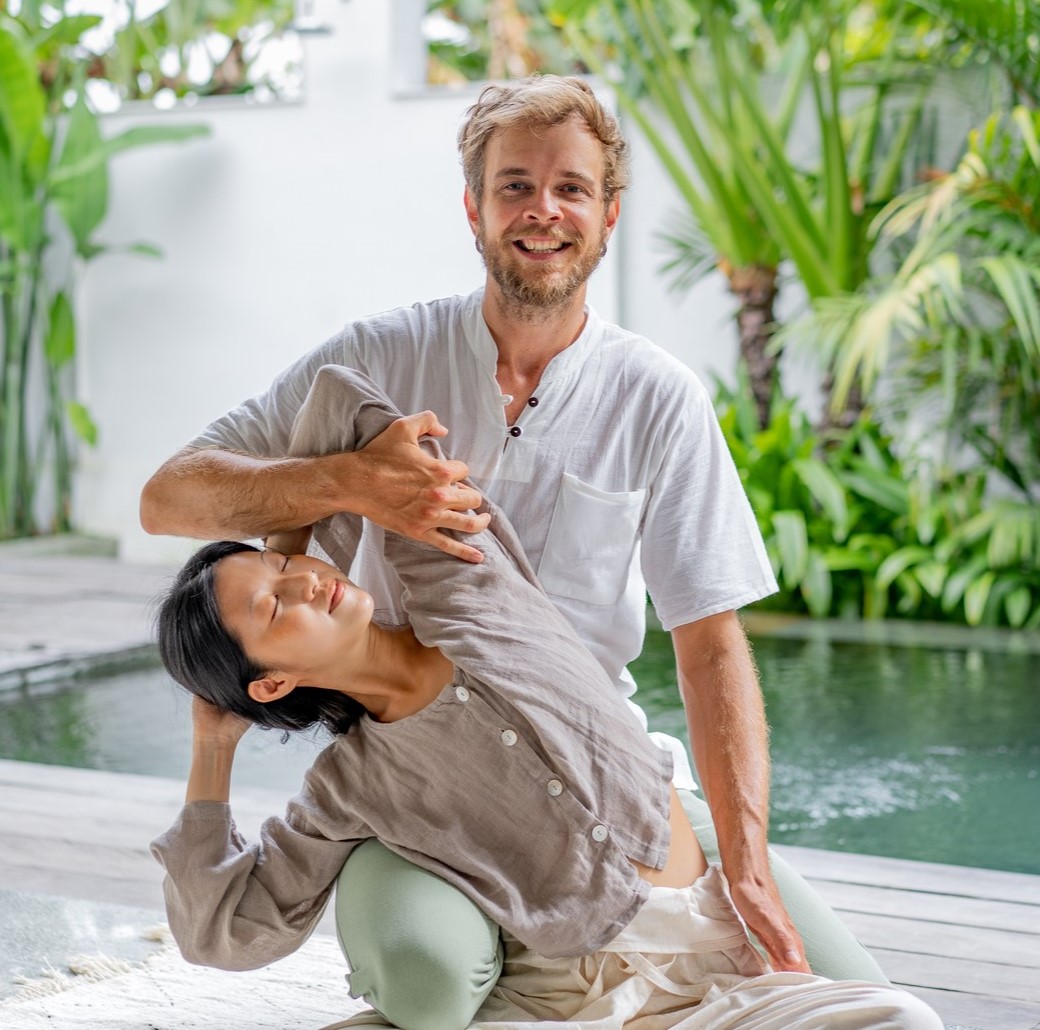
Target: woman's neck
(399, 675)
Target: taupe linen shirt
(527, 782)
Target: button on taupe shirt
(527, 783)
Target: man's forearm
(730, 745)
(728, 735)
(213, 494)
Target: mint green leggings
(425, 956)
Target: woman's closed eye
(277, 600)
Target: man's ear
(272, 687)
(472, 211)
(613, 211)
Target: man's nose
(544, 207)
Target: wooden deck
(966, 940)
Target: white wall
(285, 223)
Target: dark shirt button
(533, 402)
(515, 431)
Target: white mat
(305, 991)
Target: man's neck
(528, 339)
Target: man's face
(543, 222)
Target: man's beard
(532, 295)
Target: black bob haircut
(206, 659)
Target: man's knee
(419, 987)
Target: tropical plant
(474, 40)
(853, 530)
(699, 78)
(1004, 33)
(195, 48)
(958, 324)
(53, 197)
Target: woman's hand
(215, 728)
(216, 735)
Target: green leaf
(140, 136)
(82, 198)
(932, 576)
(144, 249)
(898, 562)
(880, 488)
(844, 559)
(80, 420)
(976, 596)
(22, 102)
(1014, 283)
(793, 544)
(1027, 123)
(65, 31)
(827, 491)
(816, 586)
(1017, 605)
(60, 342)
(957, 582)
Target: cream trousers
(684, 963)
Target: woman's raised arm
(215, 736)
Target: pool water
(910, 752)
(914, 752)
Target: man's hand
(758, 902)
(411, 493)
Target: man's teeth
(542, 246)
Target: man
(603, 451)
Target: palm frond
(1006, 31)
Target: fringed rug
(305, 991)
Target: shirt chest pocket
(591, 540)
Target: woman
(483, 743)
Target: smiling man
(605, 454)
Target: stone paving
(67, 606)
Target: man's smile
(530, 246)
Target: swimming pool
(925, 752)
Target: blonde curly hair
(539, 102)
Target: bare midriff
(685, 859)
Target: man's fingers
(454, 547)
(764, 913)
(786, 956)
(422, 423)
(457, 470)
(464, 523)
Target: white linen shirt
(616, 474)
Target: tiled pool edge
(78, 666)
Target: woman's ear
(272, 687)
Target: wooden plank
(947, 940)
(929, 907)
(1016, 983)
(910, 875)
(987, 1013)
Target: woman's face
(293, 614)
